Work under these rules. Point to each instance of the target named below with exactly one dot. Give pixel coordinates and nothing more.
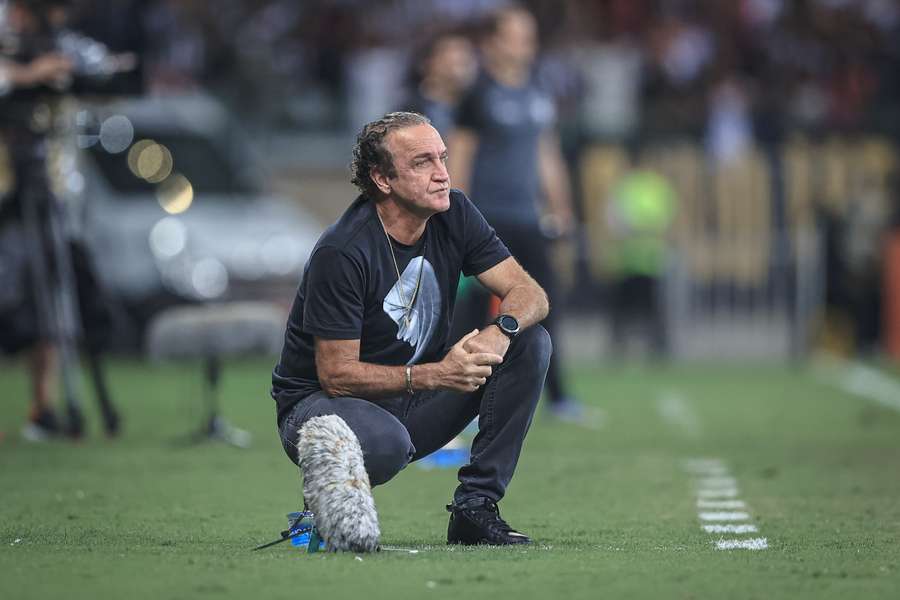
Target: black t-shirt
(350, 291)
(508, 121)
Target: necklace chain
(407, 306)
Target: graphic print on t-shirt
(426, 309)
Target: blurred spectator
(612, 69)
(641, 212)
(729, 133)
(445, 69)
(506, 153)
(177, 52)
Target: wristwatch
(508, 324)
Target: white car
(176, 210)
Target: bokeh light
(175, 194)
(135, 152)
(150, 161)
(168, 238)
(116, 134)
(155, 163)
(209, 278)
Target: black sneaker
(481, 524)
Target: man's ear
(380, 180)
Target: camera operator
(44, 276)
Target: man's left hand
(490, 339)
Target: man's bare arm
(341, 373)
(520, 296)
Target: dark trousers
(532, 249)
(396, 431)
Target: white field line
(730, 528)
(719, 509)
(724, 516)
(706, 468)
(675, 410)
(717, 483)
(718, 493)
(750, 544)
(722, 504)
(404, 550)
(866, 382)
(704, 465)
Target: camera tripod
(54, 284)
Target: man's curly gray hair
(371, 152)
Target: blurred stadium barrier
(747, 273)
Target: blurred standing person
(445, 70)
(45, 274)
(640, 215)
(506, 154)
(29, 68)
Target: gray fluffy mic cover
(336, 486)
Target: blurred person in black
(506, 154)
(26, 73)
(37, 258)
(445, 69)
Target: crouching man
(367, 337)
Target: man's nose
(441, 173)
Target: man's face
(422, 183)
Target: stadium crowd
(618, 68)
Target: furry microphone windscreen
(336, 486)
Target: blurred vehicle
(176, 209)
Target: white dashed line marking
(720, 493)
(675, 410)
(717, 483)
(718, 507)
(724, 516)
(751, 544)
(730, 528)
(722, 504)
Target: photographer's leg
(42, 367)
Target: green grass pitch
(613, 511)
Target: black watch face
(509, 323)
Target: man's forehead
(416, 140)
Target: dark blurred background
(771, 127)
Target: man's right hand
(465, 371)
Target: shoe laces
(488, 516)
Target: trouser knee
(533, 347)
(387, 455)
